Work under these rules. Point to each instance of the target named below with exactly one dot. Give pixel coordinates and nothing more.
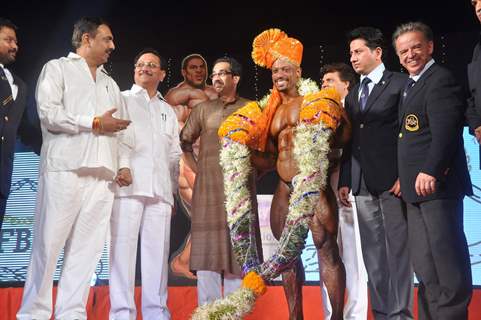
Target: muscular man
(83, 150)
(146, 205)
(341, 77)
(183, 97)
(13, 114)
(286, 72)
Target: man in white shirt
(83, 150)
(146, 205)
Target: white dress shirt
(68, 99)
(375, 76)
(426, 67)
(9, 76)
(155, 158)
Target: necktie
(364, 92)
(409, 84)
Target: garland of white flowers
(311, 147)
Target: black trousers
(440, 257)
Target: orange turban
(273, 44)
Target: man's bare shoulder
(211, 93)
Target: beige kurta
(211, 248)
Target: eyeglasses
(10, 40)
(220, 74)
(149, 65)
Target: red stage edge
(182, 301)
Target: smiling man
(84, 150)
(146, 205)
(211, 255)
(434, 176)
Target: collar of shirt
(11, 81)
(74, 56)
(375, 75)
(426, 67)
(136, 89)
(228, 102)
(8, 74)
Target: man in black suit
(473, 112)
(434, 176)
(13, 119)
(369, 168)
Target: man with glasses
(190, 92)
(13, 113)
(146, 205)
(211, 255)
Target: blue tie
(364, 92)
(409, 84)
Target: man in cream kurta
(146, 205)
(83, 149)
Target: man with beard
(187, 94)
(83, 150)
(13, 114)
(211, 255)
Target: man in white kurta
(83, 149)
(146, 205)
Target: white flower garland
(311, 148)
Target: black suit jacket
(473, 112)
(13, 120)
(373, 147)
(431, 140)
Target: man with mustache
(187, 94)
(146, 205)
(13, 114)
(84, 150)
(211, 255)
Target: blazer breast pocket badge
(411, 122)
(7, 100)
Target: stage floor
(182, 300)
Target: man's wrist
(97, 126)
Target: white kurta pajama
(145, 206)
(75, 197)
